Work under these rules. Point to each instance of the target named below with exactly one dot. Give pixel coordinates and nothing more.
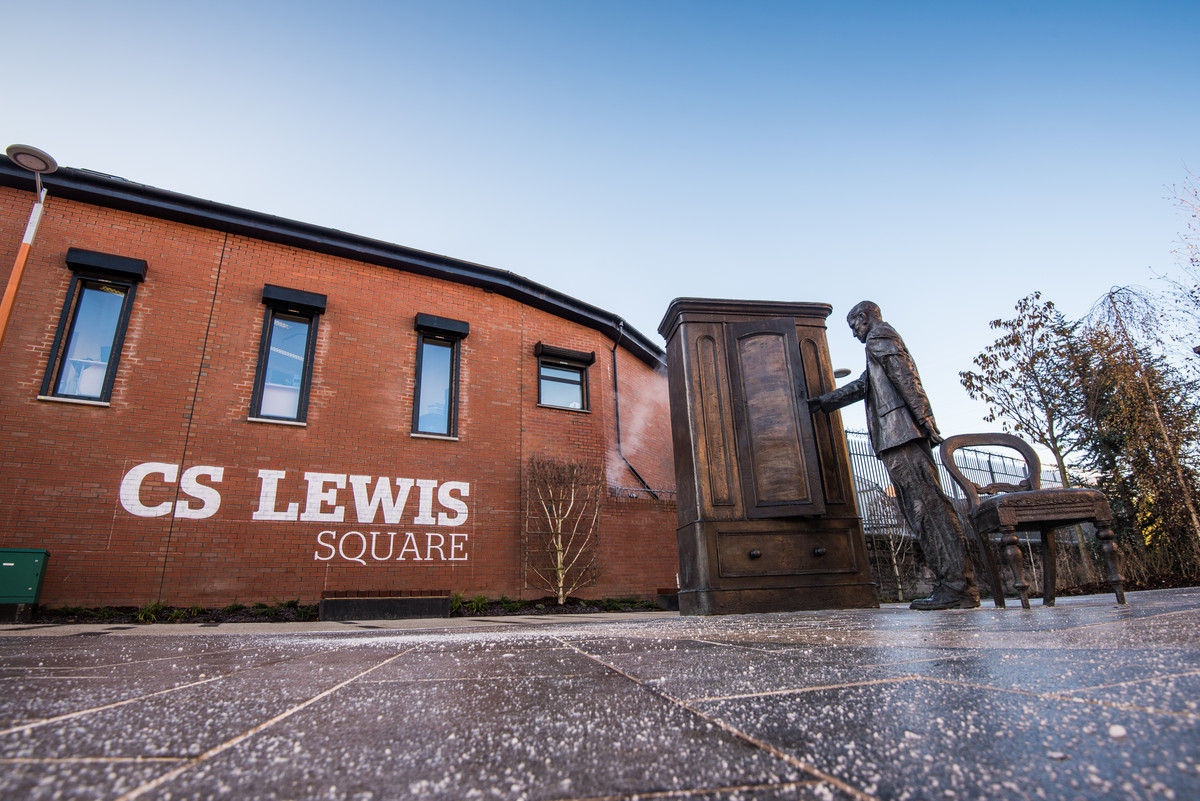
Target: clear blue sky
(943, 159)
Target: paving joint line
(737, 733)
(127, 664)
(234, 741)
(1127, 617)
(85, 760)
(1058, 695)
(698, 791)
(796, 690)
(521, 677)
(1125, 707)
(1132, 682)
(80, 713)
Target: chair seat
(1041, 509)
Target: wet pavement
(1087, 700)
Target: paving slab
(1085, 700)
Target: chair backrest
(1034, 465)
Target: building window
(562, 377)
(435, 402)
(285, 355)
(91, 330)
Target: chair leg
(1012, 553)
(993, 565)
(1049, 567)
(1112, 556)
(990, 562)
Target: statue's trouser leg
(929, 513)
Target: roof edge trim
(112, 192)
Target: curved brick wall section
(182, 395)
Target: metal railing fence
(876, 497)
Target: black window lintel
(442, 326)
(295, 300)
(562, 354)
(115, 266)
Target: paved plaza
(1087, 700)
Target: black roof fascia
(111, 192)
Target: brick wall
(182, 397)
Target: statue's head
(862, 317)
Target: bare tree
(1185, 290)
(562, 513)
(891, 532)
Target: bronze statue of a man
(902, 430)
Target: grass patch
(150, 613)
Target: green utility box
(21, 574)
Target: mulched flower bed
(290, 611)
(479, 607)
(287, 611)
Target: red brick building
(202, 404)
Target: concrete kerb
(489, 623)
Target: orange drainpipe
(14, 278)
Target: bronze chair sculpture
(1010, 508)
